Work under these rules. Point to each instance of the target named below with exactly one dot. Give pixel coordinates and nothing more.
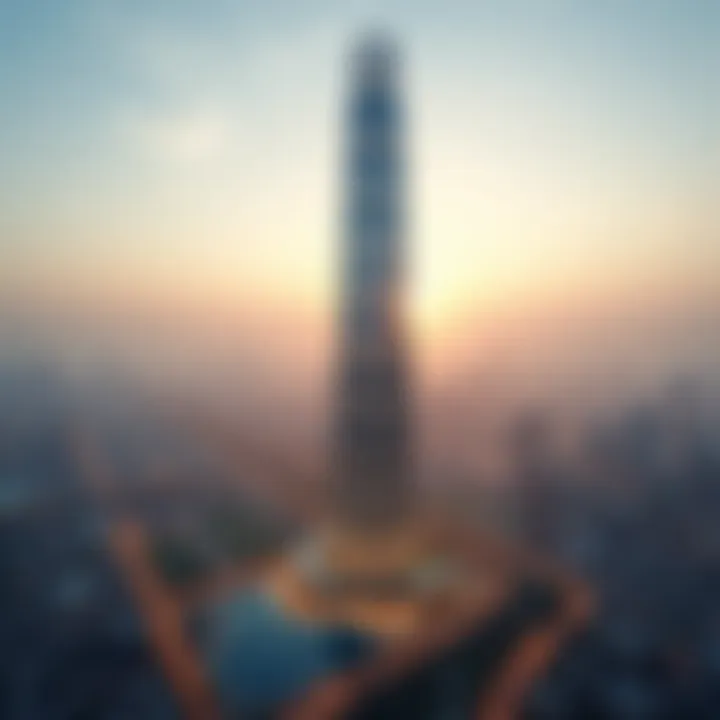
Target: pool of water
(260, 657)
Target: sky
(178, 157)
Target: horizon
(171, 174)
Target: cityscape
(417, 472)
(74, 462)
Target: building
(373, 465)
(385, 609)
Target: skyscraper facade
(372, 471)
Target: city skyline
(169, 173)
(333, 391)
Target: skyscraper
(381, 610)
(372, 453)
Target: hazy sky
(186, 153)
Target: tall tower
(372, 552)
(372, 453)
(381, 611)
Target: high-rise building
(387, 608)
(372, 453)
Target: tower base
(384, 583)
